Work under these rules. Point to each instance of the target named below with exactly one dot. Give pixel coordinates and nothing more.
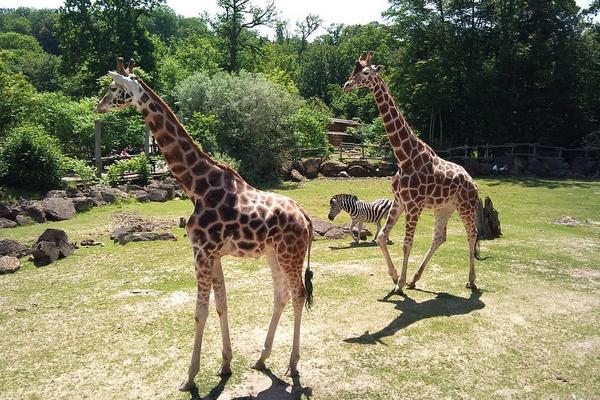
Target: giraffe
(230, 218)
(423, 180)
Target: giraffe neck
(399, 133)
(186, 161)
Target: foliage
(203, 128)
(373, 133)
(16, 98)
(254, 118)
(85, 171)
(30, 158)
(227, 159)
(139, 165)
(310, 124)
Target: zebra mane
(346, 196)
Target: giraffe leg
(204, 280)
(384, 234)
(221, 305)
(281, 296)
(298, 299)
(468, 218)
(412, 217)
(439, 237)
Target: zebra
(360, 211)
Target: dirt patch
(125, 218)
(584, 273)
(136, 293)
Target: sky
(331, 11)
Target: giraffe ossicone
(424, 180)
(230, 218)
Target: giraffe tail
(308, 274)
(477, 253)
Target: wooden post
(147, 141)
(341, 152)
(98, 148)
(362, 148)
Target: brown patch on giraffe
(144, 99)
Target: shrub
(84, 171)
(30, 158)
(227, 159)
(203, 128)
(310, 126)
(139, 165)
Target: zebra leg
(384, 234)
(359, 230)
(352, 225)
(378, 228)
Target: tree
(307, 27)
(234, 24)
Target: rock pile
(313, 167)
(329, 230)
(134, 228)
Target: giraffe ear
(130, 65)
(369, 57)
(377, 68)
(363, 56)
(117, 77)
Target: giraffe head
(363, 73)
(123, 91)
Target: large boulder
(83, 203)
(385, 168)
(56, 194)
(584, 166)
(321, 227)
(133, 228)
(157, 194)
(286, 169)
(9, 247)
(358, 171)
(336, 233)
(363, 233)
(50, 246)
(140, 195)
(34, 210)
(7, 223)
(310, 167)
(9, 264)
(24, 220)
(131, 187)
(145, 237)
(536, 167)
(5, 210)
(58, 209)
(519, 165)
(297, 176)
(332, 167)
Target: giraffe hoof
(471, 286)
(187, 386)
(398, 290)
(292, 373)
(225, 370)
(410, 285)
(259, 365)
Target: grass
(74, 330)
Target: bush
(31, 159)
(203, 128)
(310, 124)
(139, 165)
(84, 171)
(227, 159)
(254, 118)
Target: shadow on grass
(353, 245)
(443, 304)
(537, 182)
(279, 390)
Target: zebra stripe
(359, 210)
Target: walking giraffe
(230, 218)
(424, 180)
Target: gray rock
(157, 195)
(56, 194)
(332, 167)
(24, 220)
(336, 233)
(50, 246)
(358, 171)
(363, 233)
(5, 210)
(385, 168)
(286, 169)
(145, 237)
(108, 195)
(34, 210)
(297, 176)
(536, 167)
(82, 204)
(311, 167)
(57, 209)
(322, 227)
(520, 164)
(344, 174)
(9, 264)
(584, 166)
(9, 247)
(131, 187)
(362, 163)
(7, 223)
(140, 195)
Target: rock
(50, 246)
(297, 176)
(121, 194)
(321, 227)
(7, 223)
(471, 166)
(336, 233)
(131, 187)
(332, 167)
(58, 209)
(9, 247)
(108, 195)
(343, 174)
(536, 167)
(90, 242)
(34, 210)
(286, 169)
(9, 264)
(82, 204)
(566, 220)
(56, 194)
(145, 237)
(519, 164)
(140, 195)
(358, 171)
(311, 167)
(157, 195)
(584, 166)
(24, 220)
(5, 210)
(363, 233)
(385, 168)
(182, 222)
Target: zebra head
(340, 202)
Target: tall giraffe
(230, 218)
(424, 180)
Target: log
(486, 220)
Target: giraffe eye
(365, 72)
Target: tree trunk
(486, 219)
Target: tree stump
(486, 220)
